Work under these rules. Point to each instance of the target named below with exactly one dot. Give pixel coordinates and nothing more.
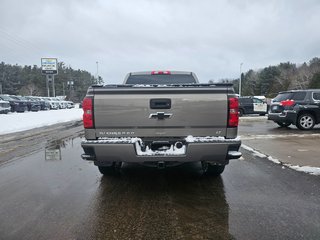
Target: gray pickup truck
(161, 118)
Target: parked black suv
(297, 107)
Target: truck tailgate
(160, 112)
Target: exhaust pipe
(178, 145)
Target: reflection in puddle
(53, 148)
(53, 154)
(147, 203)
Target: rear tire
(212, 170)
(110, 170)
(241, 112)
(283, 124)
(306, 121)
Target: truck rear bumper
(214, 150)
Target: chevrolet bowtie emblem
(160, 115)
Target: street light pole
(53, 87)
(97, 71)
(47, 85)
(240, 79)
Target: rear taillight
(87, 107)
(287, 103)
(160, 73)
(233, 117)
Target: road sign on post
(49, 67)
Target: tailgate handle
(160, 103)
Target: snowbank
(16, 122)
(306, 169)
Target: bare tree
(29, 90)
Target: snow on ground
(306, 169)
(16, 122)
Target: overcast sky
(208, 37)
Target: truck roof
(160, 72)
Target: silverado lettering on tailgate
(116, 133)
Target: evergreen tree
(29, 80)
(315, 81)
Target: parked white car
(54, 104)
(4, 106)
(70, 104)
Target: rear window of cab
(161, 79)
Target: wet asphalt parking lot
(48, 192)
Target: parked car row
(56, 103)
(11, 103)
(294, 107)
